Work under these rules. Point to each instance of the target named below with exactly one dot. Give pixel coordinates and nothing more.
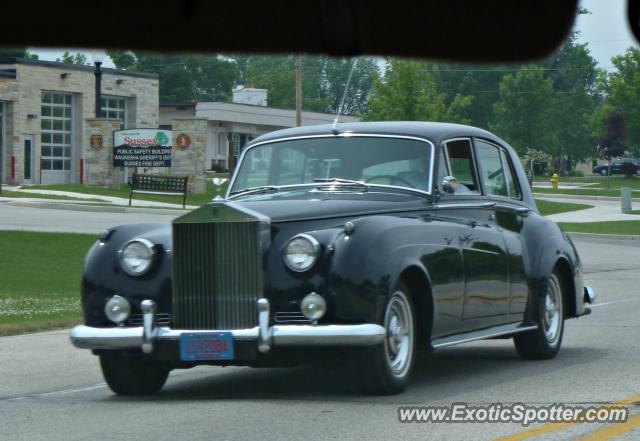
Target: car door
(502, 187)
(486, 289)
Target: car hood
(329, 207)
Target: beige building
(46, 113)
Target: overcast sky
(605, 29)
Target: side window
(490, 162)
(460, 157)
(512, 185)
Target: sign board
(142, 148)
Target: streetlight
(98, 57)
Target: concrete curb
(623, 237)
(97, 208)
(580, 196)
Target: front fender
(368, 263)
(102, 276)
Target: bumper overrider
(265, 336)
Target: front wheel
(544, 342)
(386, 369)
(603, 172)
(132, 374)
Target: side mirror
(449, 184)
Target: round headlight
(313, 306)
(117, 309)
(301, 252)
(137, 256)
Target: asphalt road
(52, 391)
(58, 218)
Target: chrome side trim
(589, 295)
(467, 337)
(331, 135)
(463, 205)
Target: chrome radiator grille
(217, 275)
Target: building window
(56, 135)
(115, 107)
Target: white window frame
(71, 133)
(105, 109)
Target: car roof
(432, 131)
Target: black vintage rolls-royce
(364, 241)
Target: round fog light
(313, 306)
(117, 309)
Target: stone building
(47, 119)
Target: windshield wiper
(342, 181)
(254, 190)
(378, 187)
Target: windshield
(399, 162)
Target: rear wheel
(603, 172)
(544, 342)
(386, 368)
(132, 374)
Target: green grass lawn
(548, 207)
(614, 227)
(123, 192)
(40, 276)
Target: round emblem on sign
(183, 141)
(95, 141)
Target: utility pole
(298, 91)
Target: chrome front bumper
(265, 336)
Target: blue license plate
(206, 346)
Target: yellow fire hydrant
(554, 181)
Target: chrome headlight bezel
(150, 257)
(312, 248)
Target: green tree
(573, 72)
(17, 53)
(408, 92)
(323, 81)
(184, 77)
(77, 58)
(524, 112)
(122, 59)
(480, 82)
(622, 90)
(365, 73)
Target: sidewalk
(603, 210)
(111, 200)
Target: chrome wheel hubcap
(398, 345)
(552, 313)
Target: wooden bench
(155, 184)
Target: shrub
(576, 174)
(541, 161)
